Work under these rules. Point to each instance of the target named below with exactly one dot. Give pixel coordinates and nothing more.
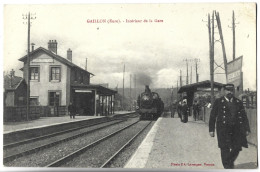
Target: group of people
(228, 117)
(183, 110)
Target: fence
(19, 113)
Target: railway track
(67, 159)
(52, 143)
(10, 145)
(110, 160)
(49, 154)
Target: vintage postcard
(169, 86)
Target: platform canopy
(100, 89)
(194, 87)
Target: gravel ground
(49, 155)
(29, 146)
(122, 158)
(95, 157)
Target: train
(149, 105)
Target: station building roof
(203, 84)
(103, 91)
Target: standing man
(72, 110)
(173, 108)
(179, 109)
(185, 111)
(196, 110)
(232, 126)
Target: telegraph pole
(234, 41)
(130, 91)
(135, 86)
(190, 74)
(28, 17)
(177, 90)
(180, 79)
(130, 86)
(11, 76)
(196, 68)
(211, 55)
(187, 78)
(222, 42)
(212, 61)
(123, 87)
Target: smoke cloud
(143, 79)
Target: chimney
(69, 55)
(147, 89)
(86, 66)
(52, 46)
(32, 46)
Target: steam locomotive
(150, 105)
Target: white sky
(156, 49)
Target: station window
(55, 74)
(54, 98)
(34, 73)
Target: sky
(154, 52)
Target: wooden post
(28, 70)
(234, 40)
(123, 88)
(222, 42)
(211, 56)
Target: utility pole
(177, 90)
(177, 86)
(212, 60)
(130, 91)
(28, 17)
(196, 68)
(123, 88)
(180, 79)
(11, 77)
(234, 41)
(187, 77)
(222, 42)
(130, 86)
(135, 86)
(190, 74)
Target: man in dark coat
(196, 110)
(232, 126)
(173, 108)
(185, 111)
(72, 110)
(179, 109)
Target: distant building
(14, 91)
(56, 81)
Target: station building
(56, 81)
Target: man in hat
(232, 126)
(185, 111)
(72, 110)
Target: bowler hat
(229, 87)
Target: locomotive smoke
(143, 79)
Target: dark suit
(72, 110)
(232, 125)
(185, 113)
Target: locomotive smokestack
(147, 89)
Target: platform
(173, 144)
(47, 121)
(14, 131)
